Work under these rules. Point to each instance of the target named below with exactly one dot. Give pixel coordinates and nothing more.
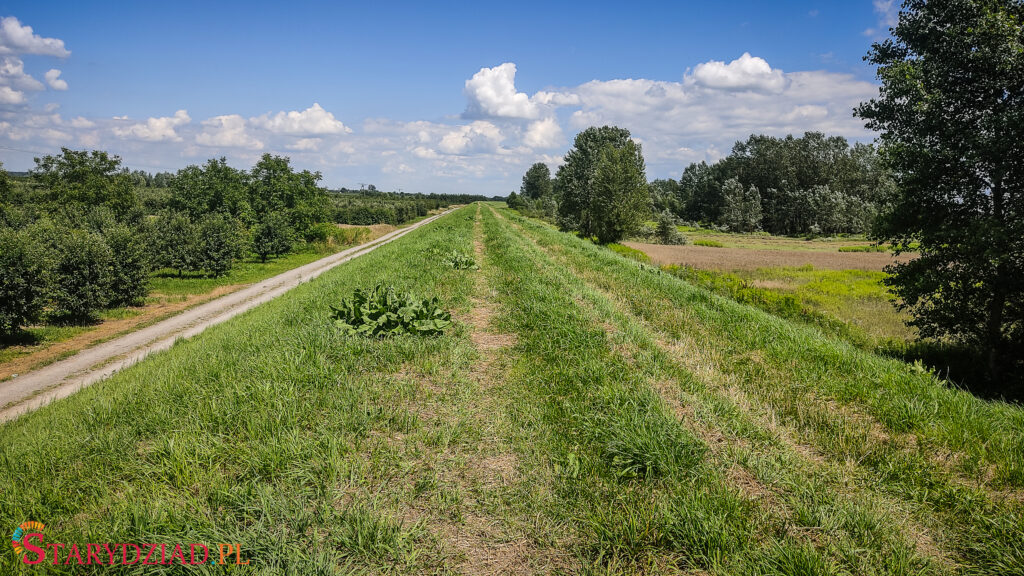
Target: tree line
(75, 238)
(808, 185)
(371, 206)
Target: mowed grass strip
(643, 490)
(824, 522)
(904, 432)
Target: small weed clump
(460, 261)
(383, 312)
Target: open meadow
(584, 413)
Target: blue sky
(428, 97)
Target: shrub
(383, 311)
(23, 282)
(667, 232)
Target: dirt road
(31, 390)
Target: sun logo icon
(19, 533)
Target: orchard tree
(217, 244)
(620, 200)
(88, 179)
(536, 182)
(130, 265)
(272, 237)
(23, 282)
(80, 274)
(175, 242)
(214, 187)
(575, 178)
(951, 117)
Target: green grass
(851, 304)
(868, 248)
(709, 243)
(631, 253)
(585, 414)
(166, 282)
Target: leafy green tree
(23, 281)
(537, 182)
(515, 201)
(666, 196)
(5, 185)
(217, 244)
(130, 265)
(742, 208)
(620, 201)
(83, 178)
(700, 186)
(272, 237)
(951, 117)
(176, 242)
(575, 178)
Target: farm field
(809, 280)
(784, 252)
(585, 414)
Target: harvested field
(751, 259)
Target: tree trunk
(994, 323)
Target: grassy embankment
(586, 414)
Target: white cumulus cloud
(313, 120)
(16, 38)
(745, 73)
(80, 122)
(227, 131)
(12, 73)
(54, 80)
(479, 136)
(155, 129)
(492, 93)
(305, 144)
(544, 133)
(11, 96)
